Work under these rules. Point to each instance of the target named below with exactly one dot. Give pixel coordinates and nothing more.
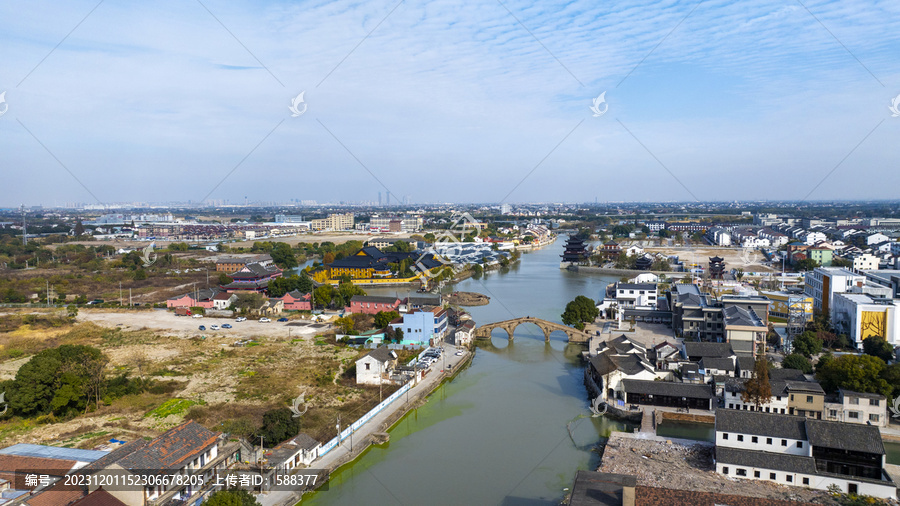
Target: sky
(444, 101)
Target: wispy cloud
(757, 93)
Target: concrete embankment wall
(688, 417)
(627, 272)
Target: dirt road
(166, 323)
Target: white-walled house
(876, 239)
(374, 367)
(792, 450)
(858, 407)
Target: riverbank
(624, 272)
(372, 432)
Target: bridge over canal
(574, 335)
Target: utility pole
(24, 228)
(339, 429)
(129, 298)
(120, 293)
(48, 293)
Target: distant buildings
(822, 283)
(333, 222)
(234, 264)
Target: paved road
(340, 453)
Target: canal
(512, 428)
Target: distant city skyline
(446, 102)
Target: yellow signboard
(873, 323)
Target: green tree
(806, 264)
(891, 374)
(346, 324)
(278, 425)
(398, 335)
(62, 380)
(579, 311)
(797, 361)
(757, 389)
(807, 344)
(79, 228)
(878, 347)
(283, 255)
(384, 317)
(860, 373)
(224, 279)
(140, 275)
(231, 497)
(323, 295)
(280, 286)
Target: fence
(327, 447)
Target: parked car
(202, 327)
(226, 326)
(282, 319)
(198, 315)
(264, 320)
(214, 327)
(460, 353)
(240, 319)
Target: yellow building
(782, 301)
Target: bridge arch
(547, 327)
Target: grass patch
(171, 407)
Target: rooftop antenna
(24, 228)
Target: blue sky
(472, 101)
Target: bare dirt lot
(688, 465)
(221, 385)
(735, 258)
(165, 322)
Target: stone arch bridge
(575, 335)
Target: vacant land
(735, 258)
(682, 465)
(223, 386)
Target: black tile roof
(373, 299)
(599, 489)
(609, 361)
(765, 460)
(845, 436)
(760, 424)
(381, 354)
(667, 388)
(864, 395)
(715, 350)
(725, 364)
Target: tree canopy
(877, 346)
(757, 389)
(231, 497)
(384, 317)
(580, 311)
(807, 344)
(278, 425)
(283, 255)
(859, 373)
(280, 286)
(797, 361)
(62, 380)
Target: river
(512, 428)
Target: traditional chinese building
(716, 267)
(576, 251)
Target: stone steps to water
(647, 424)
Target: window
(809, 399)
(784, 442)
(756, 474)
(792, 397)
(741, 472)
(740, 437)
(724, 435)
(853, 414)
(778, 398)
(874, 402)
(854, 400)
(799, 444)
(873, 417)
(368, 366)
(768, 440)
(754, 439)
(725, 470)
(806, 481)
(832, 413)
(789, 478)
(771, 476)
